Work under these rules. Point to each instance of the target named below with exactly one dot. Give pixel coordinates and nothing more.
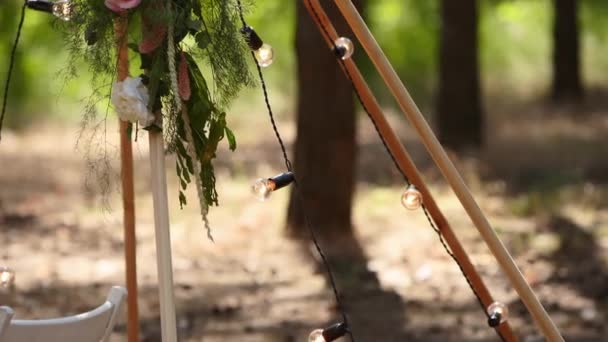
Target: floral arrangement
(174, 40)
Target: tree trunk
(567, 85)
(460, 117)
(325, 149)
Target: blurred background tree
(515, 51)
(326, 147)
(459, 112)
(448, 55)
(478, 69)
(567, 84)
(38, 87)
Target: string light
(411, 198)
(7, 277)
(497, 314)
(344, 48)
(264, 187)
(62, 9)
(264, 53)
(324, 30)
(328, 334)
(332, 281)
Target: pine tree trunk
(460, 117)
(325, 149)
(567, 85)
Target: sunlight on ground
(253, 284)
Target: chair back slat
(6, 314)
(92, 326)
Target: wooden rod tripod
(128, 194)
(406, 164)
(161, 214)
(449, 171)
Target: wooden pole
(448, 170)
(406, 164)
(163, 237)
(128, 196)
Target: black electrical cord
(11, 66)
(298, 193)
(325, 32)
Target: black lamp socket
(252, 38)
(340, 51)
(335, 332)
(282, 180)
(494, 320)
(40, 5)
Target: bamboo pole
(163, 237)
(448, 170)
(128, 201)
(406, 164)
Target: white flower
(130, 98)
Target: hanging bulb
(264, 54)
(411, 198)
(62, 9)
(316, 336)
(497, 314)
(329, 334)
(264, 187)
(7, 276)
(344, 48)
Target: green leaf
(199, 82)
(194, 25)
(208, 179)
(133, 47)
(202, 40)
(178, 167)
(231, 139)
(182, 200)
(186, 175)
(184, 154)
(216, 131)
(155, 75)
(182, 173)
(189, 165)
(181, 149)
(196, 8)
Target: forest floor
(542, 181)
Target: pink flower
(153, 37)
(154, 30)
(119, 6)
(183, 79)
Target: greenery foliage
(183, 32)
(515, 49)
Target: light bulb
(264, 55)
(7, 277)
(316, 336)
(63, 9)
(263, 188)
(411, 198)
(328, 334)
(497, 314)
(344, 48)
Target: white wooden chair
(93, 326)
